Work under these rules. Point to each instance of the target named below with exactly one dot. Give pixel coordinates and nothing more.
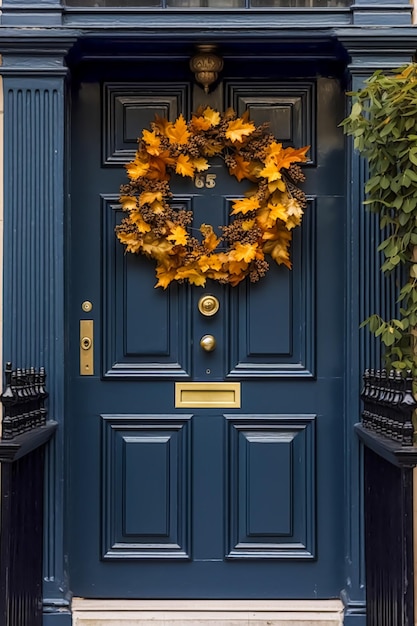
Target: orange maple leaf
(165, 276)
(278, 248)
(210, 241)
(235, 279)
(291, 155)
(248, 224)
(276, 185)
(263, 218)
(237, 267)
(241, 169)
(153, 143)
(216, 262)
(137, 168)
(279, 252)
(243, 252)
(178, 133)
(244, 205)
(157, 207)
(238, 129)
(274, 149)
(199, 123)
(132, 241)
(178, 236)
(128, 203)
(165, 157)
(192, 274)
(211, 148)
(156, 248)
(147, 197)
(271, 171)
(278, 212)
(200, 164)
(184, 166)
(212, 116)
(136, 218)
(295, 213)
(229, 114)
(160, 124)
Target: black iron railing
(22, 446)
(388, 404)
(386, 431)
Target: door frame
(34, 304)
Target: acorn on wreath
(261, 223)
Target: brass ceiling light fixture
(206, 65)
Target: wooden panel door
(168, 502)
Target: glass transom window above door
(208, 4)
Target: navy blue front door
(174, 501)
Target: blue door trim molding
(34, 71)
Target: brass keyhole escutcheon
(208, 343)
(86, 343)
(208, 305)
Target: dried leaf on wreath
(194, 276)
(161, 124)
(136, 169)
(200, 164)
(147, 197)
(271, 171)
(278, 212)
(199, 123)
(241, 168)
(128, 203)
(237, 267)
(179, 236)
(153, 143)
(165, 276)
(212, 147)
(178, 132)
(238, 129)
(132, 242)
(210, 241)
(287, 156)
(136, 218)
(184, 166)
(245, 205)
(243, 252)
(212, 116)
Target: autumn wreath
(261, 221)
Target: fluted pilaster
(34, 265)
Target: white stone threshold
(210, 612)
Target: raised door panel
(145, 486)
(145, 330)
(273, 322)
(271, 487)
(127, 108)
(287, 107)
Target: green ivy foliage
(383, 122)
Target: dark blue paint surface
(212, 503)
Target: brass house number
(205, 180)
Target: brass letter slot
(86, 347)
(207, 395)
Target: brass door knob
(208, 305)
(208, 343)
